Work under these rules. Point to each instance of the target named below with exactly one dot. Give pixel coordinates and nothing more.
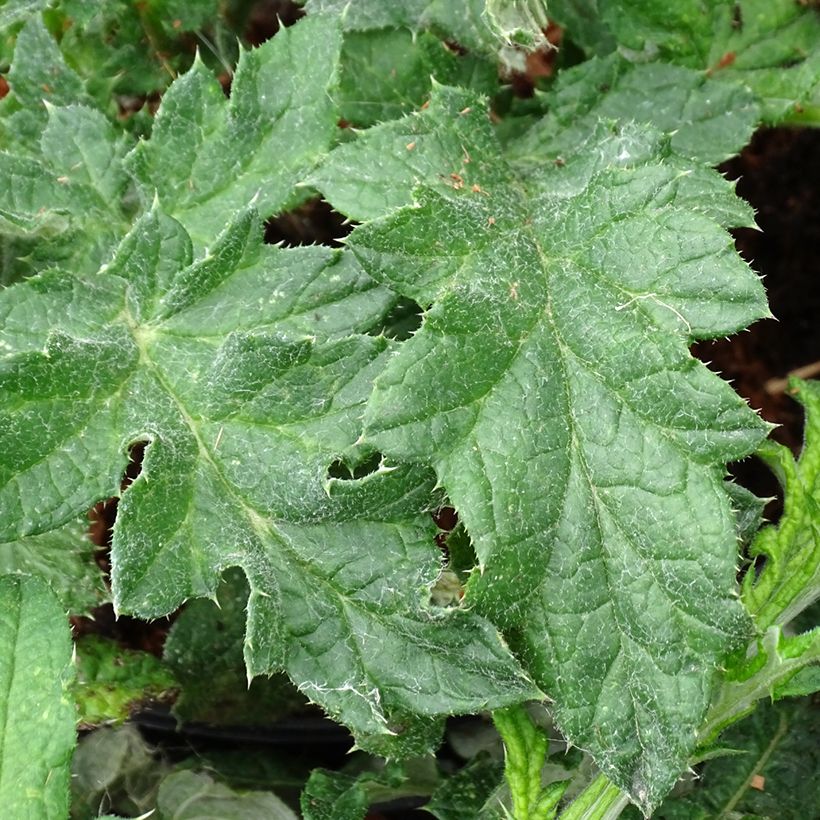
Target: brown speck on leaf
(560, 162)
(464, 111)
(424, 105)
(477, 189)
(177, 24)
(724, 62)
(466, 158)
(457, 181)
(758, 782)
(46, 87)
(4, 87)
(491, 220)
(410, 146)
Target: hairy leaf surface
(36, 712)
(65, 559)
(790, 579)
(209, 156)
(769, 45)
(207, 362)
(486, 26)
(551, 387)
(707, 119)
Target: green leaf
(334, 796)
(12, 11)
(769, 45)
(70, 194)
(242, 414)
(707, 119)
(385, 73)
(204, 650)
(112, 680)
(341, 796)
(790, 579)
(36, 711)
(64, 558)
(488, 27)
(769, 671)
(560, 306)
(776, 774)
(465, 794)
(208, 156)
(196, 796)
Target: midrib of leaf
(759, 764)
(260, 522)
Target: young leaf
(552, 389)
(69, 195)
(525, 750)
(36, 712)
(209, 156)
(769, 672)
(467, 794)
(112, 680)
(242, 414)
(790, 579)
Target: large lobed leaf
(208, 362)
(551, 388)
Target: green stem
(600, 800)
(525, 750)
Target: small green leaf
(790, 579)
(385, 73)
(768, 672)
(69, 195)
(489, 27)
(708, 119)
(466, 794)
(208, 156)
(36, 710)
